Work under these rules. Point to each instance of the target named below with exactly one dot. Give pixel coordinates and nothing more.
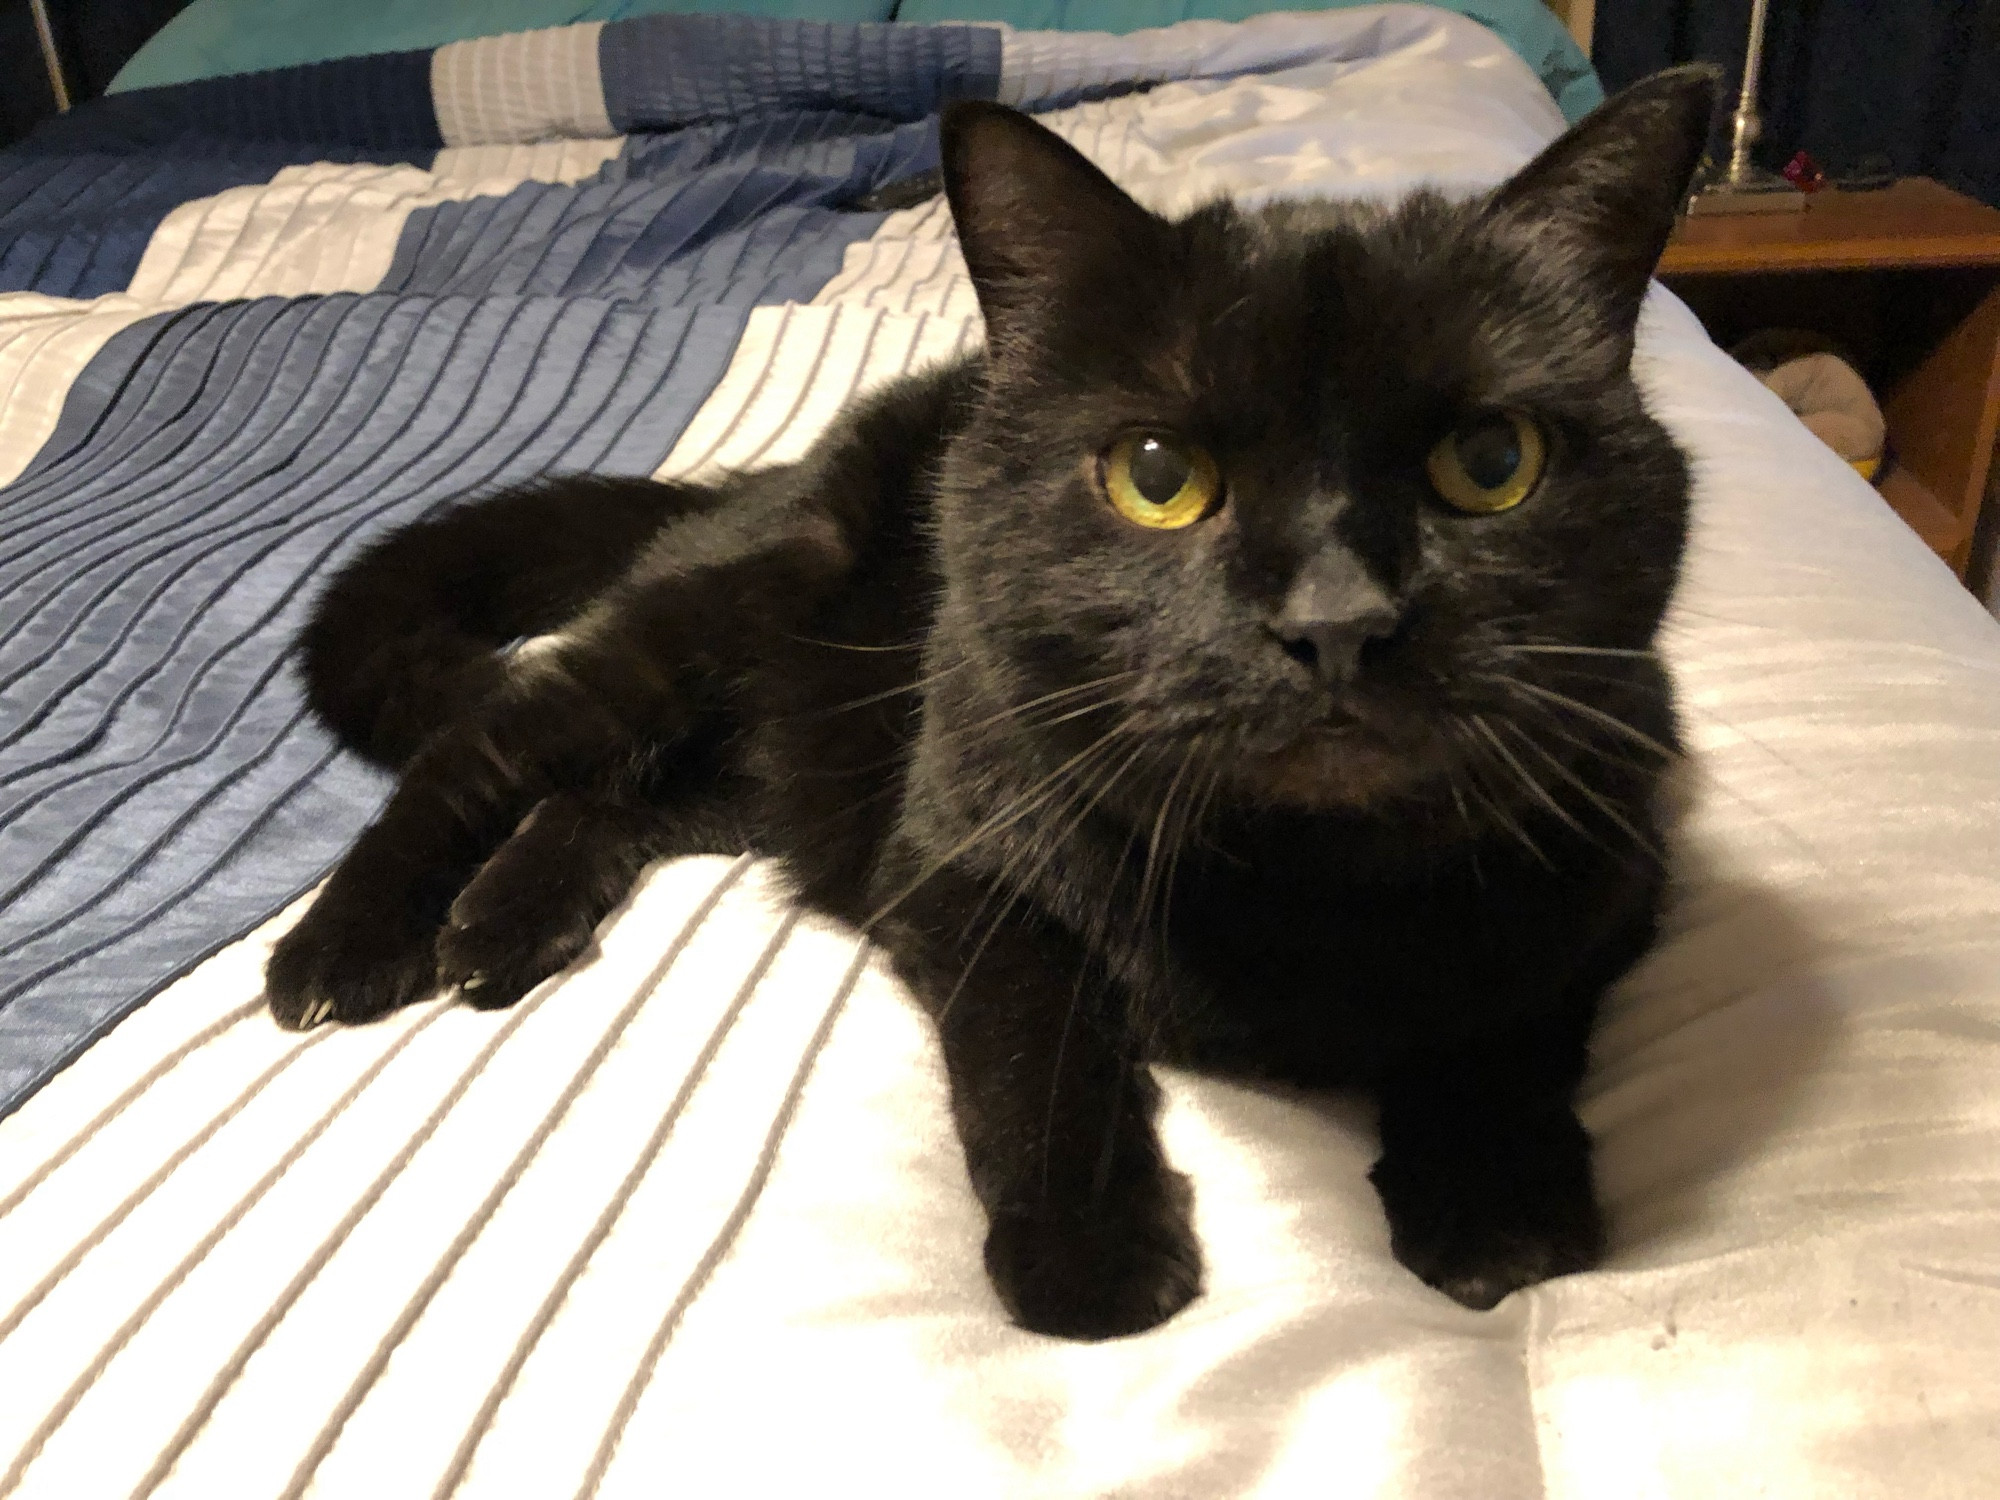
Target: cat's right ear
(1602, 199)
(1039, 224)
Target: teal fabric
(1525, 25)
(215, 37)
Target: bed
(691, 1218)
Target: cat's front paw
(513, 927)
(349, 962)
(1482, 1222)
(1114, 1269)
(493, 961)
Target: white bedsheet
(693, 1221)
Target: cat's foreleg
(1088, 1232)
(1485, 1169)
(625, 687)
(534, 907)
(369, 943)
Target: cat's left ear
(1603, 197)
(1039, 224)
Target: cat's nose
(1331, 618)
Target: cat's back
(868, 473)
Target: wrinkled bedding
(691, 1218)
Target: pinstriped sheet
(308, 1200)
(691, 1218)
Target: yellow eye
(1153, 479)
(1489, 464)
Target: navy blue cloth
(661, 71)
(715, 216)
(380, 104)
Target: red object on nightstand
(1803, 173)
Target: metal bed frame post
(51, 58)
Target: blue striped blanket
(248, 323)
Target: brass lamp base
(1753, 191)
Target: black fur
(1337, 785)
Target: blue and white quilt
(691, 1218)
(249, 323)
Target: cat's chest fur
(1325, 948)
(1312, 948)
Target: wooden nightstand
(1907, 280)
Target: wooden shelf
(1914, 223)
(1906, 283)
(1910, 498)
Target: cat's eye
(1488, 464)
(1157, 480)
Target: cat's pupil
(1489, 451)
(1158, 472)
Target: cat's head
(1313, 487)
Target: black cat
(1246, 662)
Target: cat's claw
(330, 968)
(507, 933)
(493, 966)
(1097, 1275)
